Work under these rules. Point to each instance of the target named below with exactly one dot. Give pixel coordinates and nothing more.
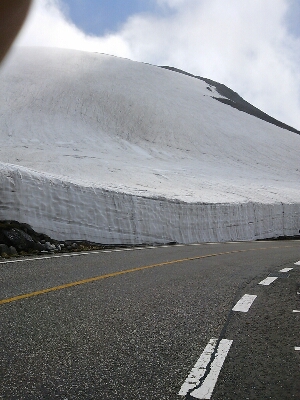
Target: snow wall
(66, 210)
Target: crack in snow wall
(66, 210)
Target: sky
(252, 46)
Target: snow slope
(110, 150)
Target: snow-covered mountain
(106, 149)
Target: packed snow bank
(104, 149)
(67, 210)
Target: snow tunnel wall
(65, 210)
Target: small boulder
(19, 239)
(12, 251)
(38, 246)
(49, 246)
(3, 249)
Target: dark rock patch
(17, 239)
(234, 100)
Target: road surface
(215, 321)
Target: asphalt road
(132, 324)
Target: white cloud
(47, 25)
(172, 3)
(243, 44)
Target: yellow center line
(126, 271)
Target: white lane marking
(286, 269)
(75, 254)
(297, 263)
(195, 244)
(64, 255)
(199, 368)
(166, 245)
(296, 310)
(179, 245)
(244, 303)
(206, 389)
(44, 257)
(268, 280)
(297, 348)
(68, 255)
(25, 259)
(208, 385)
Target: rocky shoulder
(18, 239)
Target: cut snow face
(83, 126)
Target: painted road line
(297, 263)
(268, 280)
(67, 255)
(244, 304)
(297, 348)
(286, 269)
(109, 251)
(73, 254)
(199, 369)
(18, 260)
(200, 384)
(206, 389)
(114, 274)
(105, 276)
(296, 310)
